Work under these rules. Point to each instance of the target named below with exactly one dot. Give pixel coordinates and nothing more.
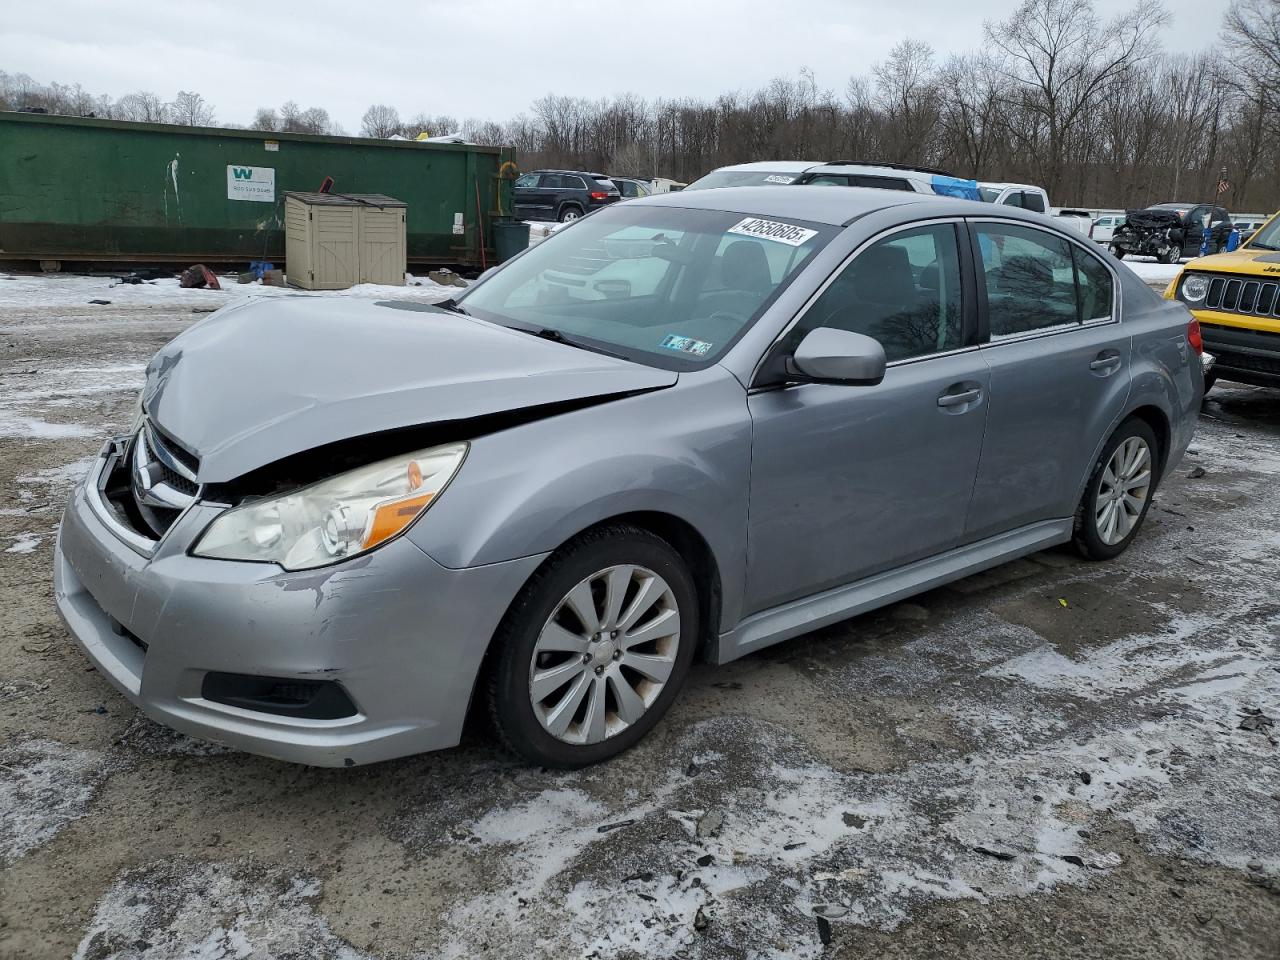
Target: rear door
(847, 481)
(1060, 368)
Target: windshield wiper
(452, 306)
(1261, 246)
(558, 336)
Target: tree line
(1089, 106)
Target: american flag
(1224, 185)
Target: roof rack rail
(890, 166)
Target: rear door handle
(1106, 364)
(959, 399)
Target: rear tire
(1119, 492)
(1209, 380)
(565, 692)
(570, 213)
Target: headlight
(337, 518)
(1195, 287)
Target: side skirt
(800, 616)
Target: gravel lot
(1051, 759)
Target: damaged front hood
(263, 381)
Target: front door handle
(1105, 364)
(959, 399)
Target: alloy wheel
(605, 654)
(1123, 488)
(569, 216)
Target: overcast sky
(485, 59)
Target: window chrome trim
(1117, 292)
(843, 265)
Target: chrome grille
(1256, 298)
(163, 482)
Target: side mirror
(828, 355)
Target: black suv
(1171, 231)
(562, 195)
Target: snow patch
(211, 911)
(44, 786)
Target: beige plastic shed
(334, 240)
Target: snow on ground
(205, 911)
(77, 290)
(44, 786)
(1151, 271)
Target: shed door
(382, 250)
(335, 231)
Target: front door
(1059, 362)
(847, 481)
(525, 191)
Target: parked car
(840, 173)
(753, 412)
(1247, 227)
(630, 187)
(1023, 195)
(889, 176)
(1105, 226)
(1081, 221)
(1236, 298)
(1171, 231)
(562, 195)
(764, 173)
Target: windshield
(1268, 238)
(664, 286)
(744, 178)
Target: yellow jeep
(1236, 298)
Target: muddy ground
(1051, 759)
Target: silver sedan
(691, 425)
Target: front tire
(1170, 254)
(1119, 492)
(1116, 252)
(594, 649)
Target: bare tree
(190, 109)
(143, 107)
(1252, 32)
(1059, 56)
(380, 121)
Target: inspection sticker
(698, 348)
(779, 178)
(787, 233)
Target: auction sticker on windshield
(698, 348)
(779, 178)
(787, 233)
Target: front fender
(682, 451)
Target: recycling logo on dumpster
(251, 183)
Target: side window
(883, 183)
(573, 183)
(1220, 214)
(828, 180)
(528, 180)
(903, 290)
(1030, 279)
(1032, 201)
(1093, 283)
(1013, 199)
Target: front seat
(746, 281)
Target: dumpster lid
(346, 199)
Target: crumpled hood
(275, 377)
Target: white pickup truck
(1030, 197)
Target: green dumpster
(82, 189)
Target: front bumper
(403, 635)
(1243, 355)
